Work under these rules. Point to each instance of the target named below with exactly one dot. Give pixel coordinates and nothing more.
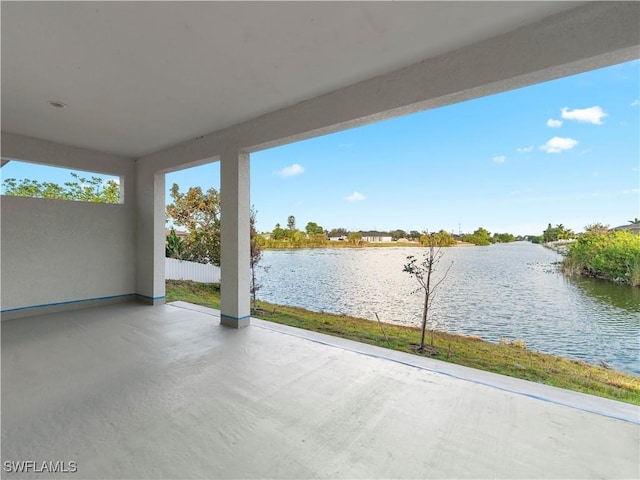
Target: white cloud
(558, 144)
(356, 197)
(629, 192)
(500, 159)
(552, 123)
(525, 149)
(291, 171)
(635, 103)
(587, 115)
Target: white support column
(150, 243)
(235, 238)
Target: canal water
(511, 291)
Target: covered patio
(127, 391)
(139, 89)
(92, 374)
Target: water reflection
(620, 296)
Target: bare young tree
(422, 271)
(254, 258)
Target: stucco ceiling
(140, 76)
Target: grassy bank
(507, 358)
(613, 256)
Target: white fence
(197, 272)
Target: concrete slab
(128, 391)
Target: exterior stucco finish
(61, 255)
(56, 251)
(150, 235)
(234, 239)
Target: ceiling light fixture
(57, 104)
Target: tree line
(94, 189)
(315, 236)
(560, 232)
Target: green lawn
(512, 359)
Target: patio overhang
(155, 87)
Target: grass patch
(205, 294)
(511, 358)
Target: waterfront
(508, 291)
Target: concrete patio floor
(130, 391)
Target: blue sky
(565, 151)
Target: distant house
(375, 236)
(179, 233)
(337, 238)
(633, 228)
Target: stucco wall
(56, 251)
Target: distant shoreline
(346, 244)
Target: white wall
(61, 252)
(56, 251)
(197, 272)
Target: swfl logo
(47, 466)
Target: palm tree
(635, 221)
(566, 234)
(562, 232)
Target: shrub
(612, 256)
